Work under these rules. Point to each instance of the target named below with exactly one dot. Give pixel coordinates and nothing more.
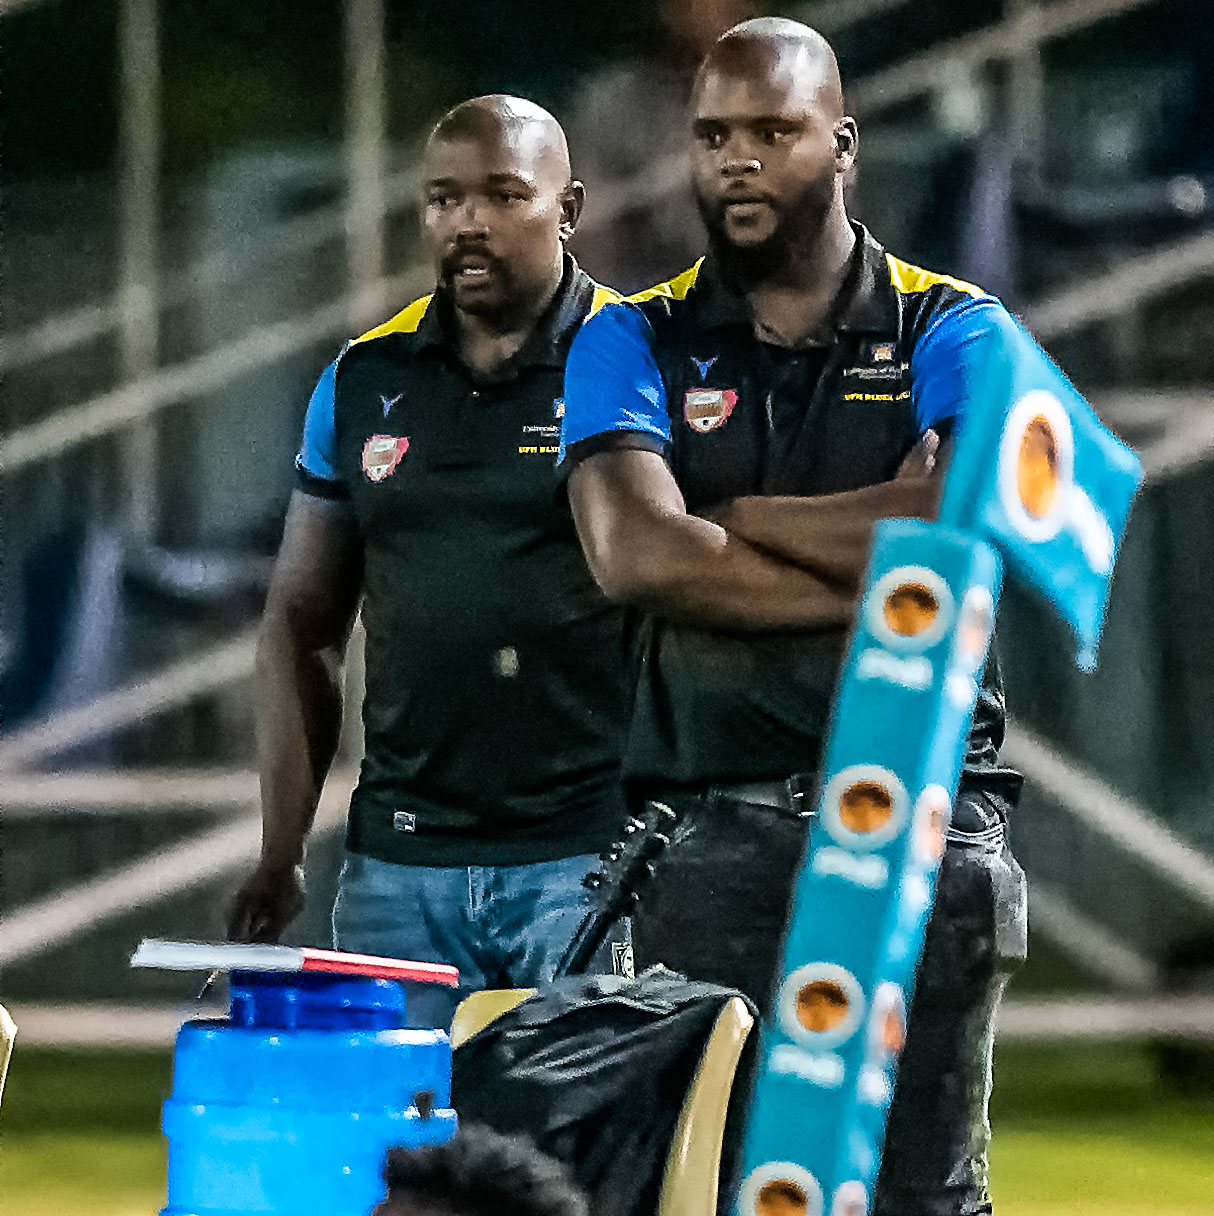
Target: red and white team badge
(708, 408)
(381, 455)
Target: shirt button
(476, 392)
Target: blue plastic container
(289, 1106)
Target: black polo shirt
(679, 369)
(496, 692)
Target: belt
(791, 796)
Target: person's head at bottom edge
(479, 1172)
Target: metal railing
(221, 849)
(1136, 281)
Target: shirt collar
(546, 345)
(868, 305)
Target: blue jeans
(501, 926)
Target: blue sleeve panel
(612, 382)
(317, 459)
(943, 361)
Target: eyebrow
(510, 179)
(758, 120)
(494, 179)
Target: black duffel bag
(595, 1069)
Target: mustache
(742, 192)
(453, 261)
(713, 208)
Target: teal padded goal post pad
(867, 883)
(1036, 474)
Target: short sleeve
(316, 463)
(944, 358)
(612, 385)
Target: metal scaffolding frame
(131, 408)
(372, 195)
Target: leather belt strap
(790, 796)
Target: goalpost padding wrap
(1038, 482)
(892, 767)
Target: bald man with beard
(495, 701)
(730, 440)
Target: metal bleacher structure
(131, 837)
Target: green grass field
(1078, 1131)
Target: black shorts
(717, 910)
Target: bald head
(779, 49)
(500, 121)
(500, 204)
(772, 146)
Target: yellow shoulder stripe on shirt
(907, 278)
(602, 295)
(405, 322)
(673, 289)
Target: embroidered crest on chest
(705, 409)
(381, 455)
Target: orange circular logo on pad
(1037, 465)
(780, 1188)
(865, 807)
(781, 1197)
(910, 609)
(821, 1006)
(1037, 468)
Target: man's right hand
(920, 461)
(266, 903)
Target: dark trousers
(717, 910)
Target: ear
(573, 199)
(847, 141)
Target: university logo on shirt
(708, 408)
(381, 455)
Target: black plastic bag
(595, 1070)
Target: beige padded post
(8, 1032)
(693, 1165)
(477, 1010)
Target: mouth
(744, 209)
(741, 208)
(470, 269)
(744, 198)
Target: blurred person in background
(495, 674)
(730, 439)
(478, 1172)
(626, 122)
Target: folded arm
(831, 535)
(644, 549)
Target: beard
(490, 299)
(799, 220)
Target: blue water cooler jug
(289, 1106)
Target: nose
(470, 221)
(738, 157)
(740, 166)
